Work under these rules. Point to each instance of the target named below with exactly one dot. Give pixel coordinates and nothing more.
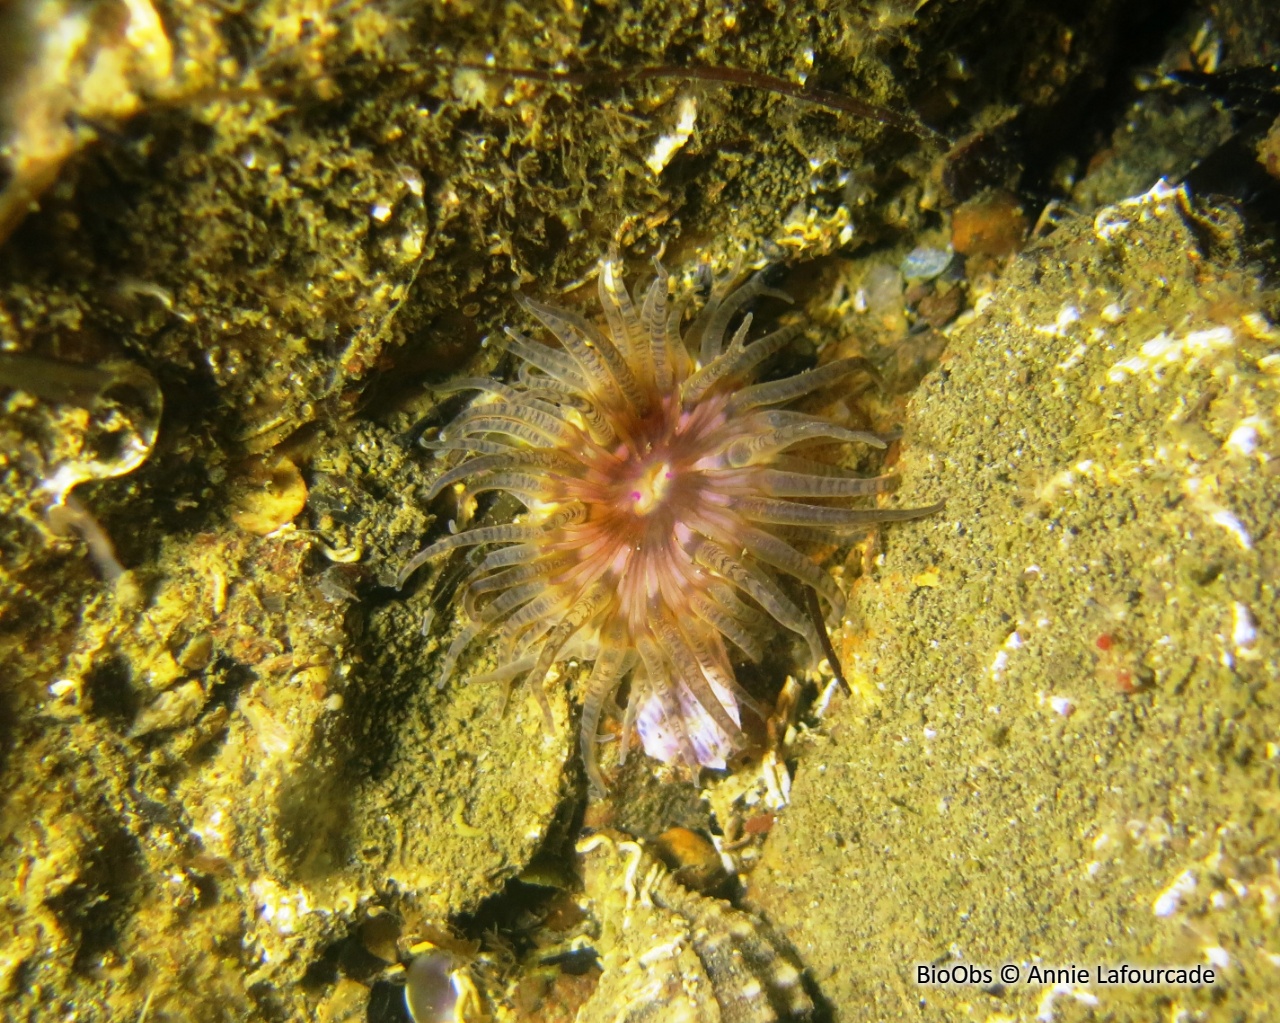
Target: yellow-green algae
(218, 768)
(1065, 685)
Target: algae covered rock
(1061, 747)
(222, 767)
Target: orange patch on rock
(993, 224)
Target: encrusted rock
(671, 955)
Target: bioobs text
(964, 974)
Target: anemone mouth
(663, 494)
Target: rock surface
(230, 786)
(1061, 747)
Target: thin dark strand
(833, 101)
(724, 76)
(820, 624)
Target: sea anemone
(661, 488)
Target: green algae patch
(219, 768)
(1063, 748)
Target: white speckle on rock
(1167, 902)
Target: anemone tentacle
(710, 334)
(607, 673)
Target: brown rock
(992, 225)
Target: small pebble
(924, 264)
